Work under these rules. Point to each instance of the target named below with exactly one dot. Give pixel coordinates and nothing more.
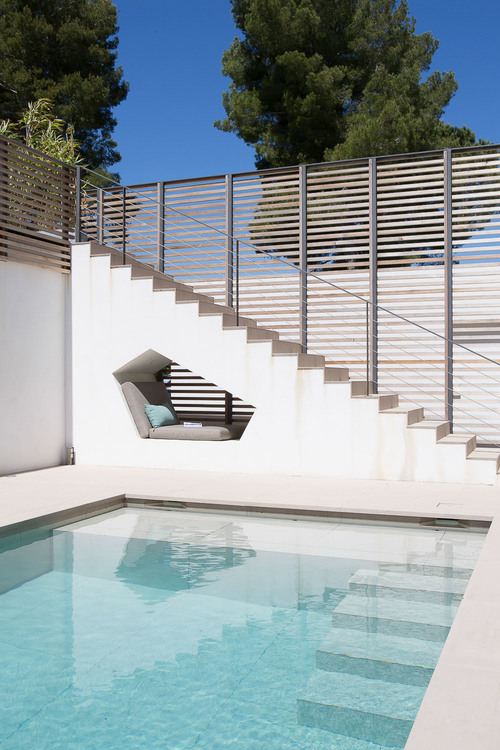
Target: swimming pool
(149, 628)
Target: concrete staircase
(310, 419)
(374, 666)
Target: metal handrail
(232, 240)
(373, 338)
(386, 359)
(341, 162)
(313, 275)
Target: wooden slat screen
(195, 251)
(337, 217)
(195, 399)
(37, 207)
(266, 222)
(410, 241)
(406, 207)
(476, 249)
(410, 196)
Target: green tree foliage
(316, 80)
(65, 51)
(41, 130)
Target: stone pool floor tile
(260, 729)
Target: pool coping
(467, 522)
(461, 707)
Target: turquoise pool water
(167, 629)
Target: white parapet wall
(34, 367)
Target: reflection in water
(23, 557)
(175, 566)
(166, 630)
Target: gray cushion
(138, 394)
(207, 432)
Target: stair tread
(422, 613)
(363, 694)
(394, 649)
(410, 581)
(484, 454)
(374, 396)
(429, 424)
(413, 414)
(457, 437)
(403, 410)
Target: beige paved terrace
(461, 709)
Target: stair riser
(409, 595)
(212, 308)
(361, 388)
(306, 361)
(424, 632)
(384, 401)
(414, 416)
(260, 334)
(438, 432)
(286, 347)
(141, 273)
(383, 730)
(442, 571)
(231, 324)
(336, 375)
(186, 298)
(388, 402)
(373, 669)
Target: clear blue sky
(171, 55)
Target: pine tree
(65, 51)
(316, 80)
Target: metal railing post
(237, 281)
(368, 347)
(124, 222)
(100, 216)
(78, 208)
(229, 281)
(448, 286)
(372, 383)
(228, 408)
(303, 256)
(160, 220)
(229, 241)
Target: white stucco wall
(301, 426)
(34, 343)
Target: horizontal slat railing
(195, 399)
(37, 207)
(417, 234)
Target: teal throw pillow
(161, 415)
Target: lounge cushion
(139, 394)
(206, 432)
(161, 415)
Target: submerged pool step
(365, 709)
(421, 620)
(409, 586)
(391, 658)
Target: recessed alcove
(193, 397)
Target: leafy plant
(40, 129)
